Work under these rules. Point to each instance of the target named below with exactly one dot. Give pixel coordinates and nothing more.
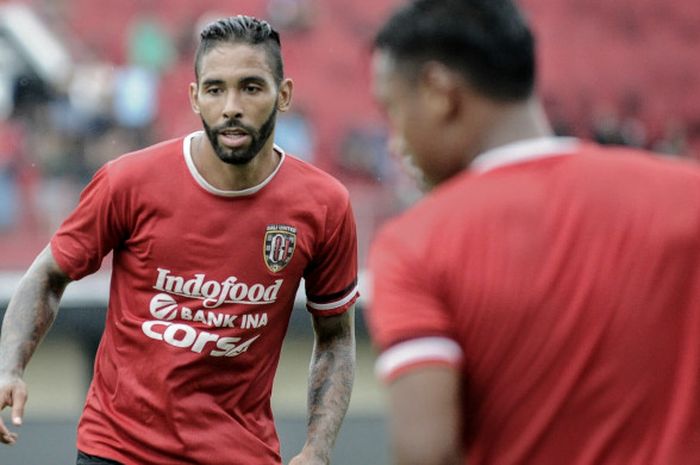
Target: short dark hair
(246, 30)
(487, 41)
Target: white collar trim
(524, 150)
(187, 152)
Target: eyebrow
(245, 80)
(254, 80)
(212, 82)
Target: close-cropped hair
(242, 29)
(487, 41)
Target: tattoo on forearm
(330, 386)
(319, 382)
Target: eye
(252, 89)
(214, 90)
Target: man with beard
(211, 234)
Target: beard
(241, 155)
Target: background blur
(83, 81)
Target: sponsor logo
(164, 309)
(186, 337)
(214, 293)
(280, 242)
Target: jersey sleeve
(91, 231)
(331, 279)
(407, 319)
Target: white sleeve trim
(333, 305)
(415, 351)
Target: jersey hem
(109, 454)
(61, 261)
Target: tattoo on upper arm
(31, 311)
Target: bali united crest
(280, 242)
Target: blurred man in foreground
(542, 304)
(211, 235)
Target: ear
(439, 87)
(194, 101)
(284, 98)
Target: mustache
(235, 124)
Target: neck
(521, 121)
(226, 176)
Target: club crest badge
(280, 242)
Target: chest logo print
(280, 242)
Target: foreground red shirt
(203, 284)
(563, 280)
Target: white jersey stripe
(524, 150)
(414, 351)
(336, 304)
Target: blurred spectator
(151, 52)
(557, 118)
(606, 126)
(105, 146)
(10, 205)
(9, 196)
(293, 132)
(29, 91)
(632, 128)
(674, 140)
(9, 66)
(149, 44)
(633, 132)
(136, 100)
(90, 92)
(292, 15)
(363, 153)
(55, 150)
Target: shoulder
(416, 226)
(613, 168)
(315, 183)
(630, 157)
(140, 165)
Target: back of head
(241, 30)
(486, 41)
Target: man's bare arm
(29, 316)
(424, 417)
(331, 377)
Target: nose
(232, 107)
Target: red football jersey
(203, 285)
(563, 280)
